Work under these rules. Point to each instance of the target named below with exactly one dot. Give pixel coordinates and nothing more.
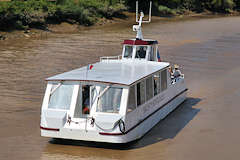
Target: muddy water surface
(205, 126)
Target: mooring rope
(117, 123)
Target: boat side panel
(149, 122)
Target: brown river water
(205, 126)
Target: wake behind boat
(116, 100)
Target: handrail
(119, 57)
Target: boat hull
(131, 134)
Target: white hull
(161, 106)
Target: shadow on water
(167, 128)
(170, 126)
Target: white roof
(123, 72)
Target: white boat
(116, 100)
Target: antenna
(149, 15)
(137, 28)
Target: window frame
(163, 89)
(124, 48)
(122, 90)
(72, 96)
(146, 56)
(160, 84)
(152, 83)
(129, 98)
(153, 51)
(143, 81)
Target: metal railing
(106, 58)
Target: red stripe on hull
(49, 129)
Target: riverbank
(68, 28)
(44, 15)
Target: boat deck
(124, 72)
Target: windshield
(141, 51)
(61, 96)
(128, 51)
(109, 99)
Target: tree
(223, 5)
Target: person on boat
(85, 99)
(176, 73)
(141, 53)
(170, 70)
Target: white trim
(74, 100)
(124, 102)
(46, 97)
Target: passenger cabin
(110, 93)
(141, 49)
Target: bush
(223, 5)
(36, 13)
(163, 10)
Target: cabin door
(82, 108)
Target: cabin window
(163, 80)
(131, 99)
(152, 53)
(128, 51)
(156, 83)
(149, 88)
(141, 52)
(140, 93)
(60, 96)
(109, 99)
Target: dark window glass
(141, 93)
(138, 95)
(128, 51)
(141, 52)
(163, 80)
(131, 99)
(149, 88)
(156, 83)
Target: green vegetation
(173, 7)
(38, 13)
(22, 14)
(163, 10)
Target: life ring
(121, 126)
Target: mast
(138, 28)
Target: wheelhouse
(141, 49)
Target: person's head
(176, 67)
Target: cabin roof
(123, 72)
(140, 42)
